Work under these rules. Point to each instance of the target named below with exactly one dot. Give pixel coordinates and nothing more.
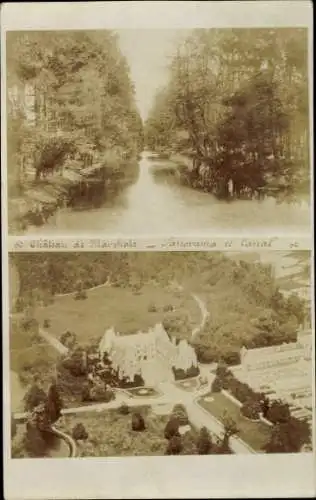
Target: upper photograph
(158, 132)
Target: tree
(288, 437)
(239, 114)
(230, 429)
(54, 402)
(204, 442)
(79, 432)
(278, 412)
(217, 385)
(179, 412)
(138, 422)
(81, 102)
(34, 442)
(174, 446)
(34, 397)
(13, 427)
(172, 428)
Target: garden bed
(110, 434)
(188, 385)
(143, 392)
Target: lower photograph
(160, 353)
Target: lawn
(111, 434)
(122, 308)
(256, 434)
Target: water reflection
(151, 206)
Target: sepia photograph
(119, 354)
(157, 131)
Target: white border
(237, 476)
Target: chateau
(150, 354)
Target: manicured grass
(256, 434)
(111, 434)
(122, 308)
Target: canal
(160, 206)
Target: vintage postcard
(158, 274)
(155, 131)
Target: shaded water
(153, 207)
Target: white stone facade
(151, 355)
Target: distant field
(121, 308)
(256, 434)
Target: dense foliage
(70, 98)
(237, 104)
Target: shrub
(152, 308)
(188, 443)
(81, 295)
(13, 427)
(74, 363)
(172, 428)
(221, 370)
(231, 358)
(168, 308)
(180, 413)
(251, 409)
(46, 323)
(86, 394)
(175, 446)
(123, 409)
(34, 397)
(33, 442)
(216, 385)
(79, 432)
(278, 412)
(204, 442)
(138, 422)
(181, 374)
(54, 403)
